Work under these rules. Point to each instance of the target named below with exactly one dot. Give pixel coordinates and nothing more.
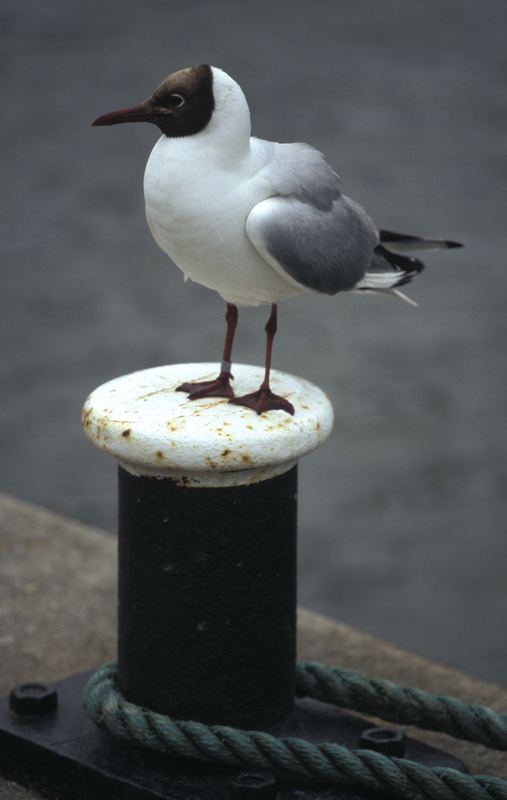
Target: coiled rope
(295, 759)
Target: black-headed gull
(256, 221)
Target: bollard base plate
(64, 755)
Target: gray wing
(301, 171)
(309, 232)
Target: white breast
(197, 204)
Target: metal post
(207, 599)
(207, 541)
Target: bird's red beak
(141, 113)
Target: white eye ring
(177, 100)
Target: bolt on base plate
(57, 750)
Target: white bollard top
(153, 430)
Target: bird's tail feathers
(390, 268)
(402, 296)
(390, 293)
(388, 271)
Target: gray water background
(403, 512)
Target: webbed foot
(220, 387)
(264, 400)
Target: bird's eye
(176, 100)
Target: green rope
(381, 698)
(320, 764)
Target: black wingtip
(408, 242)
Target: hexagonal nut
(388, 741)
(253, 786)
(33, 699)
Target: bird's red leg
(221, 386)
(264, 399)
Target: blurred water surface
(403, 512)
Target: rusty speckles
(224, 434)
(160, 455)
(225, 453)
(126, 433)
(246, 459)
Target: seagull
(256, 221)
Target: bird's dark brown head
(181, 105)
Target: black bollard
(207, 541)
(207, 599)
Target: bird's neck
(227, 134)
(226, 138)
(202, 151)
